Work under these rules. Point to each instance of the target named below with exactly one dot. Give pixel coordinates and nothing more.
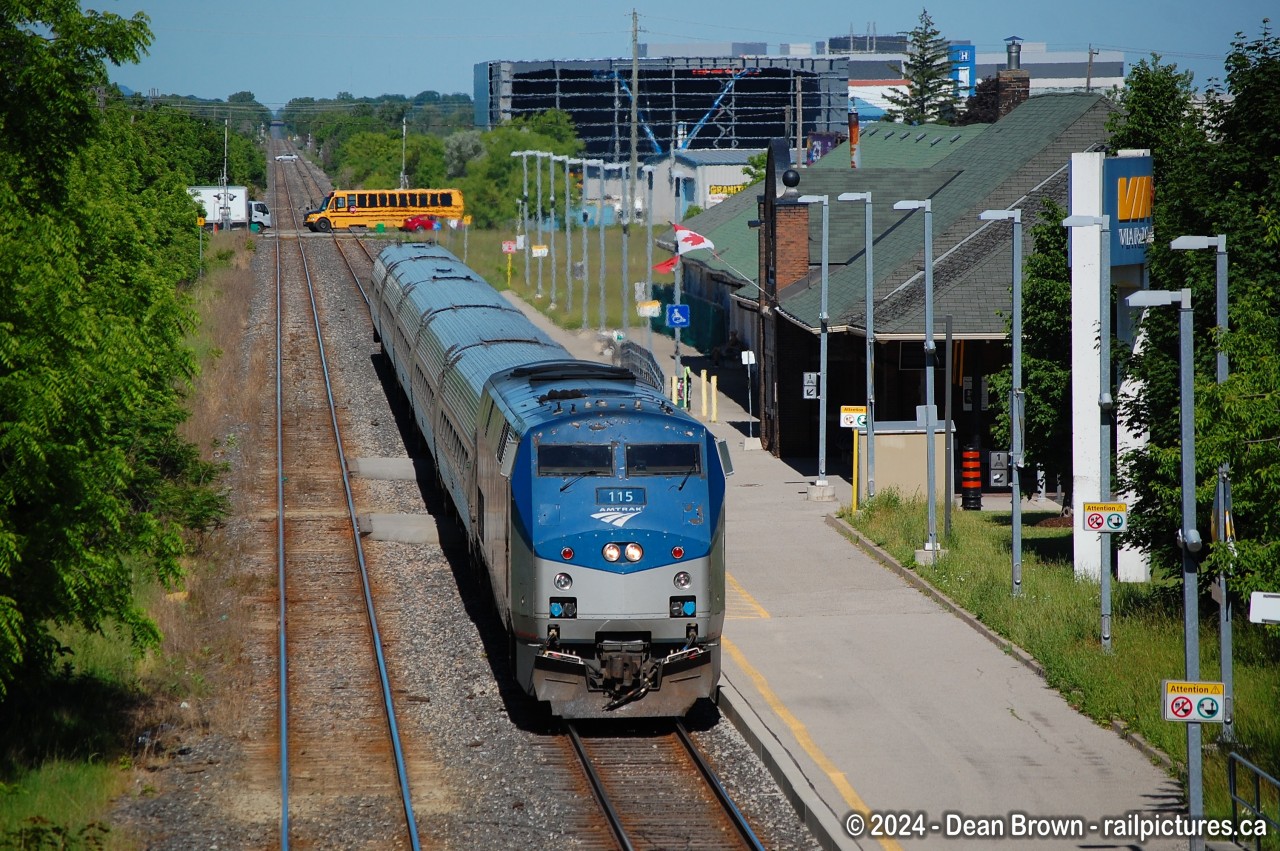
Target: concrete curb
(924, 586)
(825, 826)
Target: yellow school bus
(368, 208)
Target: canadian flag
(667, 266)
(687, 240)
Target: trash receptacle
(381, 228)
(255, 227)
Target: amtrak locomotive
(595, 506)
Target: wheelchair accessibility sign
(1106, 516)
(1202, 703)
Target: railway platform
(868, 698)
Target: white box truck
(235, 210)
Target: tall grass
(1057, 620)
(68, 740)
(483, 250)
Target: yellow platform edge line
(798, 729)
(761, 611)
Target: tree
(983, 107)
(756, 167)
(95, 485)
(1215, 174)
(1046, 357)
(931, 93)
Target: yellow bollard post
(715, 398)
(674, 392)
(702, 389)
(855, 470)
(508, 271)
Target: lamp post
(524, 214)
(537, 163)
(586, 264)
(1016, 399)
(1188, 537)
(821, 481)
(869, 240)
(930, 358)
(599, 164)
(1189, 243)
(555, 268)
(626, 232)
(568, 235)
(1105, 401)
(648, 171)
(607, 167)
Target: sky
(282, 49)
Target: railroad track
(657, 790)
(340, 754)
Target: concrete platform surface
(868, 697)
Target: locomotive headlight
(634, 552)
(612, 552)
(682, 580)
(563, 581)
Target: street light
(621, 169)
(1188, 538)
(555, 269)
(869, 238)
(1222, 498)
(599, 164)
(648, 172)
(930, 359)
(1017, 401)
(821, 481)
(1105, 401)
(538, 155)
(524, 215)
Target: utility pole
(1088, 74)
(628, 196)
(404, 130)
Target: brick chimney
(792, 237)
(1013, 85)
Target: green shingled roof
(883, 144)
(1003, 165)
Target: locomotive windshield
(664, 459)
(575, 459)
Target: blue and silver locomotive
(595, 506)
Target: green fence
(707, 322)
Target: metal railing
(642, 364)
(1260, 782)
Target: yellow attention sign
(1106, 507)
(1179, 687)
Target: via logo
(1133, 197)
(616, 516)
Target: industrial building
(684, 103)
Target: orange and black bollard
(971, 479)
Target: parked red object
(420, 223)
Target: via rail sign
(1105, 516)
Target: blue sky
(281, 49)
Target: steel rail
(722, 795)
(388, 703)
(602, 797)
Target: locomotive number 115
(620, 496)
